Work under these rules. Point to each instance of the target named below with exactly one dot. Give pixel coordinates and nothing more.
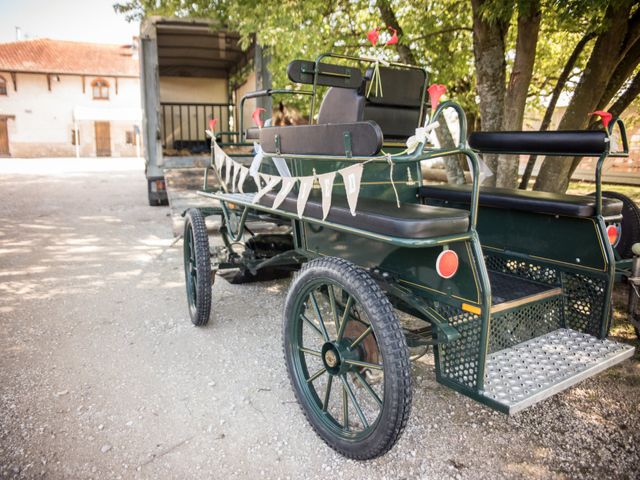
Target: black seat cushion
(565, 142)
(528, 201)
(409, 221)
(341, 105)
(325, 139)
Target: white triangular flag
(244, 171)
(326, 184)
(219, 157)
(236, 171)
(287, 185)
(306, 184)
(352, 176)
(228, 166)
(271, 181)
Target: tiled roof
(57, 56)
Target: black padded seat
(324, 139)
(561, 142)
(411, 220)
(525, 200)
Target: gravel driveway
(103, 376)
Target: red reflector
(612, 233)
(447, 263)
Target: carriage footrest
(520, 376)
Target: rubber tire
(392, 346)
(630, 223)
(200, 312)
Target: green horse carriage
(511, 288)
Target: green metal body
(569, 253)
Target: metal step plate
(521, 376)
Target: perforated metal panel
(531, 371)
(459, 360)
(522, 268)
(584, 302)
(522, 324)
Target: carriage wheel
(197, 267)
(347, 358)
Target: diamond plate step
(521, 376)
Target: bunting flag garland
(244, 171)
(270, 181)
(351, 177)
(236, 171)
(306, 184)
(219, 155)
(326, 185)
(228, 166)
(255, 164)
(287, 185)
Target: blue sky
(79, 20)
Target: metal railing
(183, 125)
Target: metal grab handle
(623, 135)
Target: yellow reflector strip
(471, 309)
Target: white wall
(44, 119)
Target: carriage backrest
(396, 110)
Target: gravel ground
(103, 376)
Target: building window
(75, 137)
(100, 89)
(131, 138)
(3, 86)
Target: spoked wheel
(347, 358)
(197, 267)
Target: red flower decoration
(435, 92)
(373, 35)
(256, 117)
(394, 37)
(212, 124)
(605, 117)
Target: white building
(60, 98)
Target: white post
(76, 133)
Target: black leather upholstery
(326, 139)
(401, 87)
(397, 111)
(341, 105)
(331, 75)
(563, 142)
(396, 123)
(539, 202)
(383, 217)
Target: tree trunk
(555, 95)
(455, 174)
(389, 18)
(529, 16)
(489, 50)
(555, 171)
